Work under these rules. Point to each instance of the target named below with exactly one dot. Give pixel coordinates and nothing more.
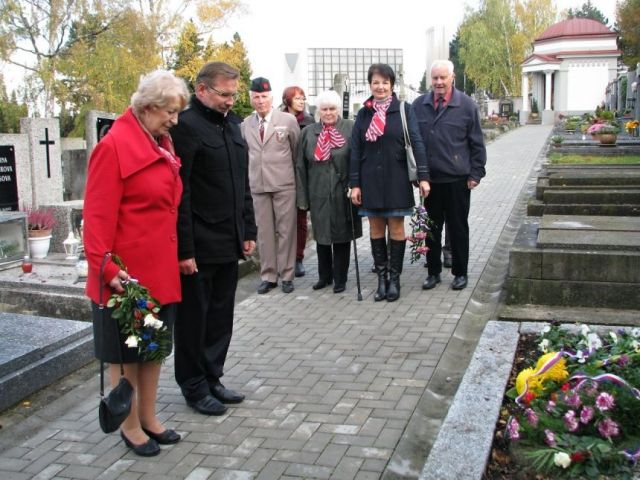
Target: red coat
(131, 209)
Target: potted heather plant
(40, 223)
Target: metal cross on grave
(46, 142)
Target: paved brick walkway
(335, 388)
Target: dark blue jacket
(455, 145)
(380, 168)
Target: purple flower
(572, 399)
(571, 421)
(549, 438)
(623, 361)
(605, 401)
(512, 429)
(608, 428)
(551, 406)
(586, 414)
(532, 417)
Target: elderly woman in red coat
(130, 210)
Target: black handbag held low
(115, 407)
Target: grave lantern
(71, 247)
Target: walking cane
(355, 245)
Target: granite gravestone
(46, 163)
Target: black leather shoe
(266, 287)
(320, 284)
(339, 288)
(431, 282)
(287, 287)
(459, 282)
(225, 395)
(150, 448)
(168, 437)
(207, 406)
(300, 271)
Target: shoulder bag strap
(104, 319)
(405, 130)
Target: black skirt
(107, 337)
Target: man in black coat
(216, 227)
(450, 127)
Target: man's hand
(248, 246)
(356, 196)
(471, 184)
(188, 266)
(425, 188)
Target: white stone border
(464, 441)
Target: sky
(270, 29)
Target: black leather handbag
(115, 407)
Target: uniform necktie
(440, 103)
(261, 129)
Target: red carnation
(579, 456)
(529, 397)
(137, 314)
(565, 387)
(150, 305)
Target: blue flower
(146, 336)
(141, 303)
(152, 346)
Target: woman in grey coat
(322, 168)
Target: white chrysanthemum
(132, 341)
(546, 329)
(562, 459)
(614, 337)
(585, 330)
(593, 341)
(544, 345)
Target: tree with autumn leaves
(88, 54)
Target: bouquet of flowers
(420, 231)
(579, 405)
(137, 314)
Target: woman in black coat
(379, 177)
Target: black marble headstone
(102, 126)
(8, 181)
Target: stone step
(537, 208)
(543, 185)
(573, 294)
(589, 233)
(613, 177)
(546, 313)
(561, 273)
(37, 351)
(611, 196)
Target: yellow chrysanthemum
(527, 377)
(558, 372)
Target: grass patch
(559, 158)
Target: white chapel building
(571, 64)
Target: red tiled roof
(575, 27)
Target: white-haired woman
(322, 169)
(130, 210)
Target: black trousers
(204, 327)
(333, 262)
(450, 202)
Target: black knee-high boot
(379, 251)
(395, 269)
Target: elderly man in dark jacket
(450, 127)
(216, 227)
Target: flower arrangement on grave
(603, 128)
(137, 314)
(557, 139)
(631, 126)
(578, 406)
(40, 220)
(420, 231)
